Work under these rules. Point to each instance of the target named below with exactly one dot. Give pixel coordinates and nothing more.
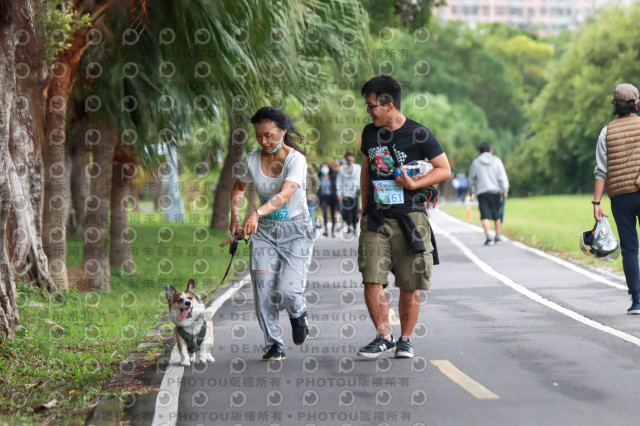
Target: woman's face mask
(324, 170)
(276, 149)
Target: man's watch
(595, 203)
(259, 212)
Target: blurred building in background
(543, 16)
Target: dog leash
(233, 247)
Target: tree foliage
(454, 61)
(526, 61)
(408, 14)
(574, 105)
(60, 20)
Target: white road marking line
(166, 409)
(569, 265)
(166, 413)
(535, 296)
(465, 382)
(575, 268)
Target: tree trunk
(124, 170)
(9, 314)
(24, 227)
(156, 190)
(56, 200)
(221, 201)
(56, 193)
(79, 183)
(95, 259)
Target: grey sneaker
(497, 239)
(404, 349)
(377, 347)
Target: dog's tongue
(185, 314)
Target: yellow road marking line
(464, 381)
(393, 317)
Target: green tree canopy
(575, 104)
(452, 60)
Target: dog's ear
(170, 292)
(191, 286)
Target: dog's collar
(194, 340)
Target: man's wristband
(595, 203)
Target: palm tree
(56, 192)
(313, 39)
(202, 58)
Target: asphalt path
(505, 336)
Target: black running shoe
(404, 349)
(377, 347)
(635, 306)
(300, 328)
(488, 242)
(275, 353)
(497, 238)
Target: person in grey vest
(488, 179)
(617, 170)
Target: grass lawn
(101, 329)
(552, 223)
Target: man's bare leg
(378, 307)
(408, 309)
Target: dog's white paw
(185, 363)
(206, 358)
(192, 357)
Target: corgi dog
(194, 325)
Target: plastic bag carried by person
(600, 242)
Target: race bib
(281, 214)
(387, 192)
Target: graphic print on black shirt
(409, 143)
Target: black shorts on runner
(489, 204)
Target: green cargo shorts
(381, 252)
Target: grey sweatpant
(280, 257)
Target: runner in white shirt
(280, 229)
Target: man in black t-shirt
(395, 233)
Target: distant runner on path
(488, 179)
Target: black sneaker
(300, 328)
(635, 306)
(488, 241)
(377, 347)
(275, 353)
(498, 238)
(404, 349)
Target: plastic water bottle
(416, 169)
